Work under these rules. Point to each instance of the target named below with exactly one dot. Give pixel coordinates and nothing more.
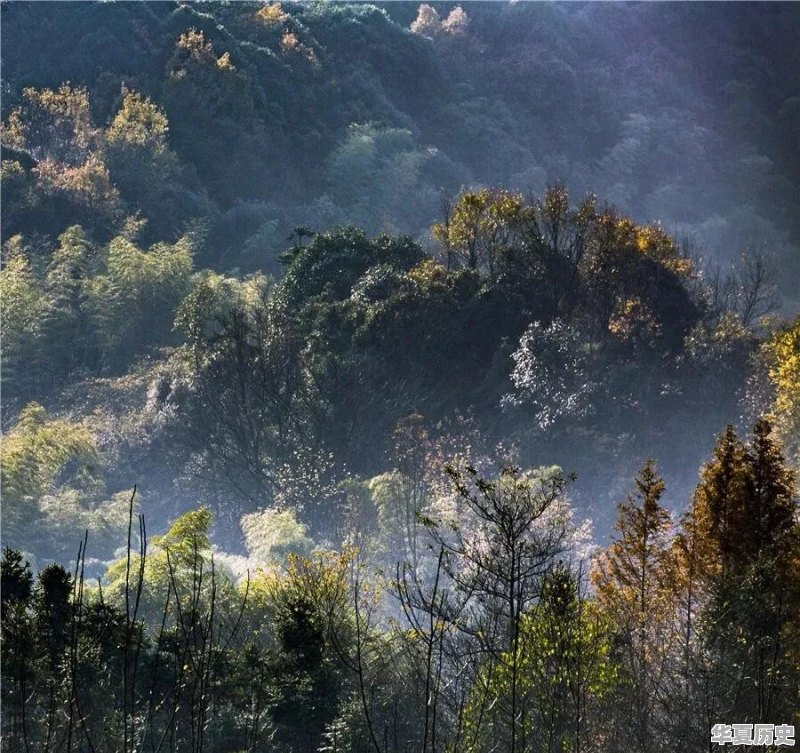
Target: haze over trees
(401, 378)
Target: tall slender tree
(633, 584)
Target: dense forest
(399, 377)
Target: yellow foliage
(195, 43)
(224, 62)
(626, 229)
(428, 272)
(53, 124)
(782, 354)
(11, 170)
(632, 319)
(556, 203)
(201, 53)
(88, 184)
(139, 121)
(321, 580)
(482, 224)
(14, 133)
(655, 243)
(271, 14)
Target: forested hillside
(323, 114)
(404, 377)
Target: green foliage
(212, 300)
(271, 536)
(17, 579)
(22, 306)
(38, 449)
(93, 310)
(70, 336)
(375, 169)
(203, 134)
(566, 669)
(300, 106)
(187, 536)
(134, 302)
(333, 262)
(252, 410)
(311, 623)
(178, 563)
(53, 487)
(206, 90)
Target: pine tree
(718, 516)
(743, 525)
(633, 583)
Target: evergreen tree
(633, 583)
(744, 526)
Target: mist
(314, 298)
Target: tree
(747, 290)
(177, 562)
(427, 22)
(551, 373)
(331, 264)
(17, 645)
(23, 305)
(634, 590)
(484, 225)
(313, 635)
(781, 353)
(510, 533)
(133, 303)
(209, 304)
(567, 673)
(254, 411)
(374, 170)
(206, 92)
(17, 579)
(70, 333)
(54, 125)
(272, 535)
(64, 157)
(144, 168)
(43, 457)
(636, 273)
(457, 22)
(743, 520)
(430, 24)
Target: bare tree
(747, 289)
(756, 294)
(512, 534)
